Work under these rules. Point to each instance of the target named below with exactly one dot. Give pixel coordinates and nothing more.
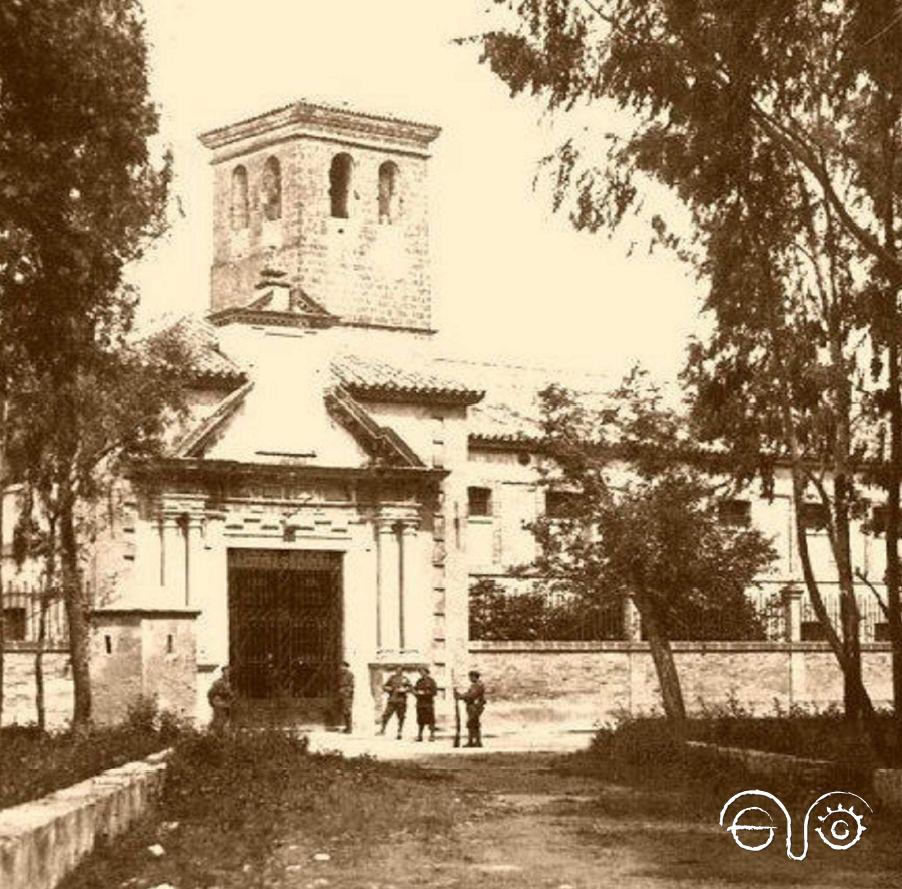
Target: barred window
(479, 501)
(735, 513)
(814, 517)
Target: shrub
(34, 763)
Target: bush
(652, 748)
(498, 615)
(33, 763)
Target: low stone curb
(43, 840)
(764, 764)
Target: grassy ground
(260, 812)
(33, 764)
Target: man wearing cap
(425, 691)
(220, 697)
(346, 695)
(474, 698)
(398, 687)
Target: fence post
(792, 614)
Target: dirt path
(521, 824)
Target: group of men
(398, 688)
(221, 696)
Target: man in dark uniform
(398, 687)
(425, 691)
(220, 697)
(346, 695)
(474, 698)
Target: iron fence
(22, 611)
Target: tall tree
(736, 107)
(641, 523)
(80, 195)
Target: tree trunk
(2, 502)
(841, 537)
(77, 615)
(45, 601)
(40, 709)
(893, 576)
(662, 656)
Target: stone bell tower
(334, 198)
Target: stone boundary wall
(585, 684)
(43, 840)
(19, 690)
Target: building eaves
(208, 366)
(375, 379)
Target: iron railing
(22, 609)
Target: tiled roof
(208, 363)
(498, 422)
(373, 377)
(510, 412)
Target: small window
(561, 504)
(240, 216)
(878, 520)
(735, 513)
(881, 632)
(14, 624)
(479, 501)
(814, 517)
(271, 189)
(813, 631)
(388, 193)
(340, 184)
(108, 644)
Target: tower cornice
(307, 118)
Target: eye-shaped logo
(753, 827)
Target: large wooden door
(285, 633)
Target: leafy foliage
(33, 763)
(778, 126)
(643, 523)
(496, 614)
(80, 196)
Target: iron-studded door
(285, 624)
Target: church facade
(340, 486)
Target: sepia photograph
(452, 445)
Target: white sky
(511, 280)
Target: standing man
(474, 698)
(425, 691)
(220, 697)
(398, 687)
(346, 695)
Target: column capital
(392, 517)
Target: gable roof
(192, 444)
